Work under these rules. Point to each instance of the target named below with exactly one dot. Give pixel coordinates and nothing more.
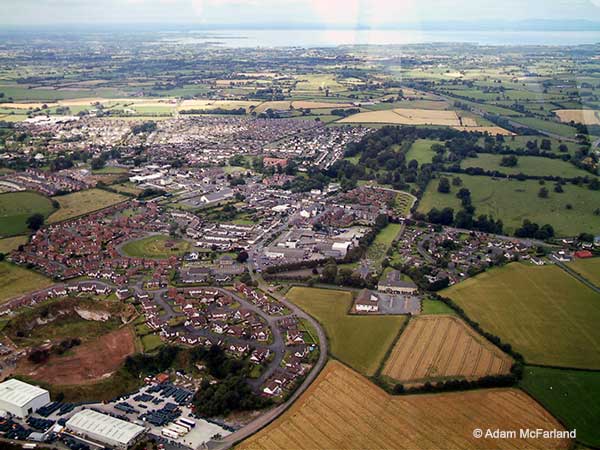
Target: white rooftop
(19, 393)
(95, 423)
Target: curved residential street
(274, 413)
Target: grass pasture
(84, 202)
(421, 151)
(359, 341)
(15, 281)
(544, 313)
(343, 410)
(16, 207)
(588, 268)
(512, 201)
(529, 165)
(440, 347)
(383, 241)
(572, 396)
(157, 246)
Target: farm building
(21, 399)
(394, 283)
(105, 429)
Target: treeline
(486, 382)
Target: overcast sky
(315, 12)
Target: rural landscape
(299, 237)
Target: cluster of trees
(532, 230)
(464, 219)
(231, 393)
(345, 112)
(146, 127)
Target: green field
(548, 126)
(529, 165)
(16, 207)
(513, 201)
(383, 241)
(359, 341)
(158, 246)
(544, 313)
(84, 202)
(421, 151)
(572, 396)
(151, 342)
(15, 281)
(588, 268)
(430, 307)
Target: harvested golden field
(468, 121)
(27, 105)
(405, 116)
(213, 104)
(316, 105)
(299, 104)
(441, 347)
(343, 410)
(585, 116)
(491, 130)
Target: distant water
(328, 38)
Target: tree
(543, 193)
(444, 185)
(330, 272)
(546, 145)
(35, 221)
(509, 161)
(98, 163)
(242, 256)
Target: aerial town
(208, 242)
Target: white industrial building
(105, 429)
(21, 399)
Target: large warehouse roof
(19, 393)
(103, 426)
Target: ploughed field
(545, 314)
(443, 347)
(343, 410)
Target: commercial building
(105, 429)
(22, 399)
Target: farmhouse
(395, 284)
(105, 429)
(366, 302)
(21, 399)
